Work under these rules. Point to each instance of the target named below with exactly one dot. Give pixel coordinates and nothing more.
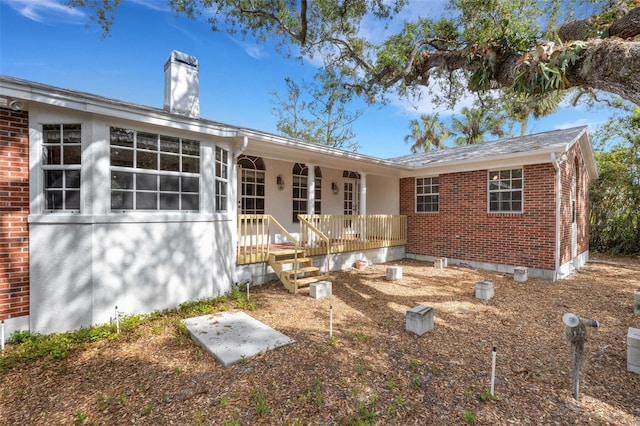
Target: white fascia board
(587, 154)
(118, 110)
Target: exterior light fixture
(16, 105)
(280, 182)
(334, 188)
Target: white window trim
(415, 194)
(489, 191)
(157, 172)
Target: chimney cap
(177, 56)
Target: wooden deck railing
(355, 232)
(319, 234)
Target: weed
(413, 364)
(360, 369)
(488, 396)
(122, 398)
(147, 410)
(415, 383)
(333, 340)
(392, 383)
(80, 418)
(223, 402)
(469, 417)
(362, 338)
(232, 423)
(364, 416)
(261, 407)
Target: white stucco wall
(83, 264)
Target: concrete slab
(234, 336)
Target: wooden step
(302, 270)
(291, 261)
(302, 282)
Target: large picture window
(427, 195)
(505, 191)
(61, 162)
(153, 172)
(252, 184)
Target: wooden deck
(318, 235)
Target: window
(300, 190)
(154, 172)
(61, 159)
(427, 194)
(222, 179)
(505, 191)
(252, 184)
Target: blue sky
(43, 41)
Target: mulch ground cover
(371, 371)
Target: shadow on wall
(80, 272)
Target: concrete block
(419, 319)
(394, 272)
(440, 262)
(484, 290)
(636, 302)
(320, 289)
(520, 274)
(633, 350)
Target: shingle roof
(552, 141)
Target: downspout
(245, 141)
(556, 165)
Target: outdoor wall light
(334, 188)
(16, 105)
(280, 182)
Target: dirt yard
(373, 371)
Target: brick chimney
(181, 93)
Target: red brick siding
(582, 204)
(463, 229)
(14, 208)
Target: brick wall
(14, 208)
(463, 229)
(574, 160)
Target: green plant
(261, 406)
(333, 340)
(392, 382)
(81, 418)
(147, 410)
(469, 417)
(488, 396)
(415, 382)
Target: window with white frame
(61, 162)
(222, 179)
(300, 197)
(505, 191)
(153, 172)
(252, 180)
(427, 194)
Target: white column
(363, 194)
(311, 189)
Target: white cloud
(251, 48)
(44, 11)
(160, 6)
